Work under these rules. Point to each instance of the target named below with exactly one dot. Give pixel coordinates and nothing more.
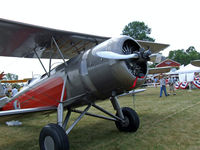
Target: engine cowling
(101, 77)
(109, 75)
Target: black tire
(131, 123)
(53, 137)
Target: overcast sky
(174, 22)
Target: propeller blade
(153, 55)
(112, 55)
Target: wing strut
(40, 61)
(63, 58)
(50, 60)
(58, 49)
(60, 106)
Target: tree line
(184, 57)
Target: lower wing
(17, 113)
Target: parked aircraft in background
(15, 81)
(98, 68)
(159, 70)
(196, 63)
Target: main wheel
(131, 121)
(53, 137)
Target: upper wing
(154, 47)
(20, 40)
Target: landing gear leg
(55, 136)
(130, 120)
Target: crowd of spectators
(10, 91)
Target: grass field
(167, 123)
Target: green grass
(165, 123)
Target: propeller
(113, 55)
(129, 50)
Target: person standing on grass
(162, 85)
(171, 85)
(155, 82)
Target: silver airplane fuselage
(88, 77)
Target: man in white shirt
(171, 85)
(14, 91)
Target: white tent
(173, 71)
(189, 69)
(187, 73)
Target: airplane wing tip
(153, 46)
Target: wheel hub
(125, 122)
(49, 143)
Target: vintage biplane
(94, 68)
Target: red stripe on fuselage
(135, 82)
(45, 94)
